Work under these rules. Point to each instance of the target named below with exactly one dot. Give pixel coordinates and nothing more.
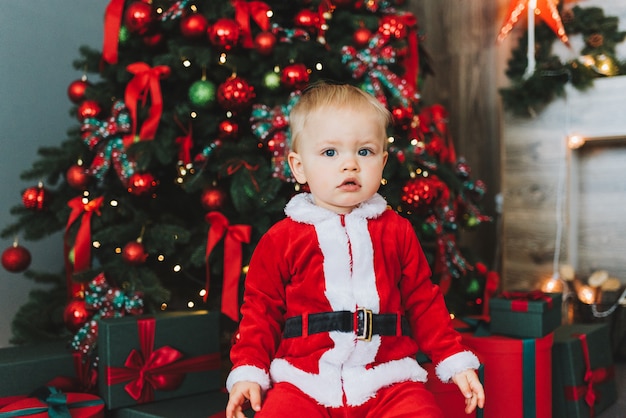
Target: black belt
(367, 324)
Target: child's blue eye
(364, 152)
(330, 152)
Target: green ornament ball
(202, 93)
(271, 80)
(124, 35)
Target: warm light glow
(223, 58)
(586, 295)
(391, 139)
(163, 306)
(186, 63)
(575, 141)
(202, 292)
(96, 244)
(190, 304)
(193, 115)
(319, 66)
(113, 203)
(177, 268)
(552, 285)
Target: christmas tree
(176, 165)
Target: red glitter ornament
(193, 26)
(77, 177)
(138, 17)
(76, 90)
(361, 37)
(75, 314)
(422, 193)
(224, 33)
(402, 117)
(264, 43)
(36, 198)
(307, 19)
(295, 76)
(134, 253)
(16, 258)
(88, 109)
(141, 184)
(212, 198)
(235, 94)
(392, 26)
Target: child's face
(341, 155)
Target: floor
(618, 409)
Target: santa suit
(318, 261)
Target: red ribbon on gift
(112, 24)
(519, 300)
(145, 82)
(234, 236)
(82, 242)
(148, 370)
(599, 375)
(244, 12)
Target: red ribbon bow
(599, 375)
(145, 82)
(246, 10)
(82, 242)
(112, 24)
(519, 300)
(234, 236)
(148, 370)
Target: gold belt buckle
(364, 324)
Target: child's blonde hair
(325, 95)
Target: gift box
(25, 368)
(448, 396)
(517, 374)
(525, 314)
(584, 375)
(50, 402)
(206, 405)
(151, 358)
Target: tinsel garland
(597, 58)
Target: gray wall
(39, 40)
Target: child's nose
(350, 164)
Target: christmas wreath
(527, 95)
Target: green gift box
(205, 405)
(525, 314)
(583, 371)
(25, 368)
(152, 358)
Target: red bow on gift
(246, 10)
(145, 82)
(82, 242)
(148, 370)
(519, 300)
(234, 236)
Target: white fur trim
(302, 208)
(361, 384)
(456, 363)
(249, 374)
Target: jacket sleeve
(427, 312)
(262, 320)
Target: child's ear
(295, 164)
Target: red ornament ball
(16, 258)
(402, 117)
(264, 43)
(76, 90)
(88, 109)
(361, 37)
(422, 193)
(138, 17)
(141, 184)
(228, 129)
(224, 33)
(134, 253)
(235, 94)
(212, 198)
(75, 314)
(193, 26)
(77, 177)
(307, 19)
(295, 76)
(36, 198)
(392, 26)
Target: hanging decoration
(16, 258)
(529, 93)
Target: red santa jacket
(318, 261)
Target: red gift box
(55, 403)
(518, 374)
(448, 396)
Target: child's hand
(471, 388)
(240, 392)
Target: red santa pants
(401, 400)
